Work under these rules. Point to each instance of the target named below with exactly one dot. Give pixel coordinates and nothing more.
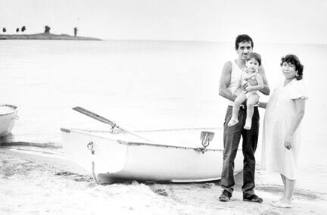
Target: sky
(275, 21)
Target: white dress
(279, 113)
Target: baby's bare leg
(252, 100)
(241, 97)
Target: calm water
(144, 85)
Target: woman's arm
(299, 109)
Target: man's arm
(225, 81)
(265, 90)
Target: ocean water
(145, 85)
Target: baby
(250, 82)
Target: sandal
(280, 204)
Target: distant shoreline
(44, 36)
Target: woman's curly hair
(293, 59)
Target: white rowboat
(126, 156)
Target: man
(229, 81)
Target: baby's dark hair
(254, 55)
(243, 38)
(293, 59)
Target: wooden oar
(106, 121)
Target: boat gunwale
(11, 106)
(133, 143)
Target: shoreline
(56, 187)
(44, 36)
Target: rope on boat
(93, 173)
(90, 147)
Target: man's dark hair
(293, 59)
(254, 55)
(243, 38)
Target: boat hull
(8, 115)
(126, 157)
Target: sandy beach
(34, 180)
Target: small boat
(8, 115)
(126, 155)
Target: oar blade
(113, 125)
(94, 115)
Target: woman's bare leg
(284, 183)
(286, 200)
(290, 184)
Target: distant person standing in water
(75, 32)
(229, 81)
(281, 131)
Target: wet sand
(44, 184)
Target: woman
(284, 113)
